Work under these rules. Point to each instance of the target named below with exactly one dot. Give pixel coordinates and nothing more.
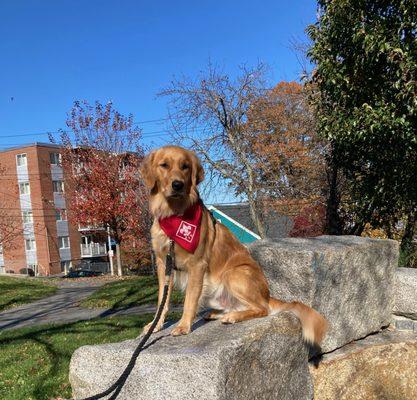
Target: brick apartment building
(32, 197)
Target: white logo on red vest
(186, 231)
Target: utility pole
(110, 252)
(48, 249)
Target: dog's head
(174, 173)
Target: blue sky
(55, 52)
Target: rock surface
(262, 359)
(348, 279)
(381, 366)
(404, 324)
(406, 293)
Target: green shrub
(408, 257)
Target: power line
(58, 131)
(147, 135)
(144, 134)
(156, 134)
(31, 202)
(45, 174)
(48, 132)
(151, 121)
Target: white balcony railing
(93, 249)
(90, 228)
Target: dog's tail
(314, 324)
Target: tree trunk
(409, 232)
(255, 218)
(254, 212)
(388, 230)
(118, 260)
(333, 222)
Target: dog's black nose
(177, 185)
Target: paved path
(62, 307)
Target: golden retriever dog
(220, 274)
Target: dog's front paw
(228, 319)
(158, 327)
(181, 330)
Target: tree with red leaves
(309, 222)
(101, 157)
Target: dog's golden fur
(221, 274)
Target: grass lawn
(128, 293)
(17, 291)
(34, 362)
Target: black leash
(118, 385)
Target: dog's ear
(198, 171)
(147, 170)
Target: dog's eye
(164, 165)
(185, 166)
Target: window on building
(61, 215)
(24, 188)
(64, 242)
(55, 158)
(30, 244)
(21, 159)
(58, 186)
(27, 217)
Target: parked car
(82, 273)
(93, 264)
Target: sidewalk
(63, 307)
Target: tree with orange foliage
(101, 157)
(287, 154)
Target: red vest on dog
(184, 229)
